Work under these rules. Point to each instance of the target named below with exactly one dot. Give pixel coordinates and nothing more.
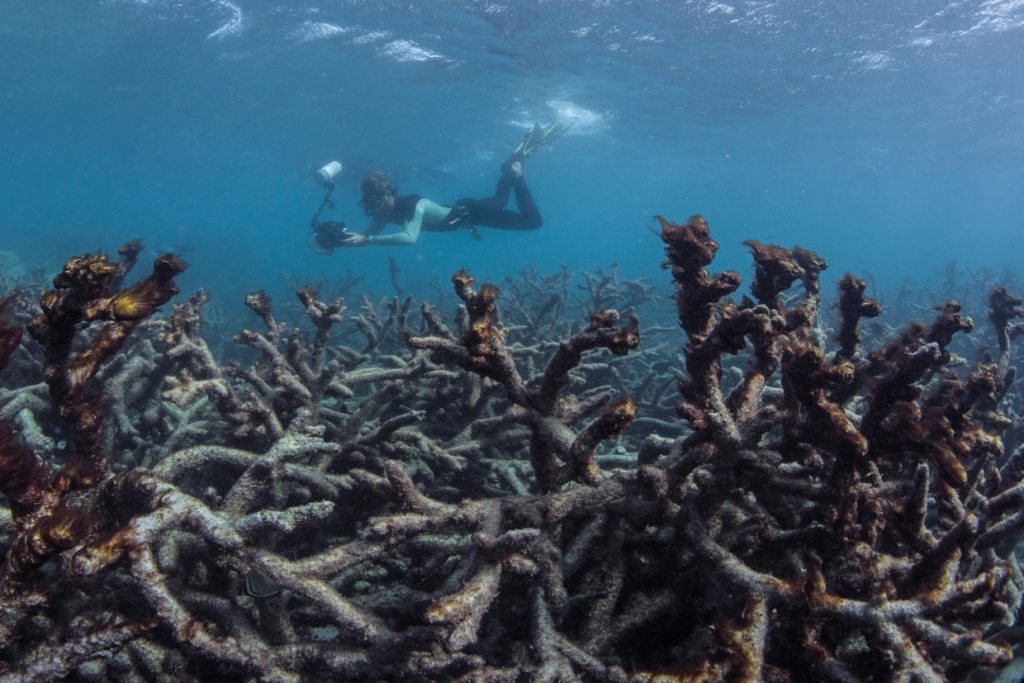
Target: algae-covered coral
(502, 496)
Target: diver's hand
(355, 240)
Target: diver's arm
(427, 212)
(370, 236)
(407, 236)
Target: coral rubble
(511, 498)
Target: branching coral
(558, 455)
(49, 517)
(367, 513)
(52, 513)
(1004, 307)
(865, 570)
(10, 334)
(295, 372)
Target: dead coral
(558, 454)
(10, 335)
(836, 481)
(295, 372)
(55, 512)
(827, 516)
(81, 294)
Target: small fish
(259, 586)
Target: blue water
(885, 135)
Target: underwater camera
(326, 237)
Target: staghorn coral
(558, 455)
(865, 569)
(10, 334)
(295, 372)
(82, 294)
(608, 290)
(52, 513)
(826, 515)
(389, 332)
(1004, 307)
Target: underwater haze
(746, 408)
(887, 136)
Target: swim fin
(537, 138)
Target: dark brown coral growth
(557, 453)
(690, 249)
(853, 306)
(24, 476)
(716, 329)
(775, 270)
(1003, 307)
(868, 589)
(347, 508)
(54, 513)
(10, 333)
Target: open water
(886, 135)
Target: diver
(383, 205)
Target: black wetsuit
(491, 212)
(405, 208)
(469, 213)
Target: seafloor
(567, 477)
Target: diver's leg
(501, 193)
(527, 207)
(483, 212)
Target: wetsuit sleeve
(409, 233)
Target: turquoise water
(885, 135)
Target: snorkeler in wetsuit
(382, 203)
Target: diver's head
(379, 195)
